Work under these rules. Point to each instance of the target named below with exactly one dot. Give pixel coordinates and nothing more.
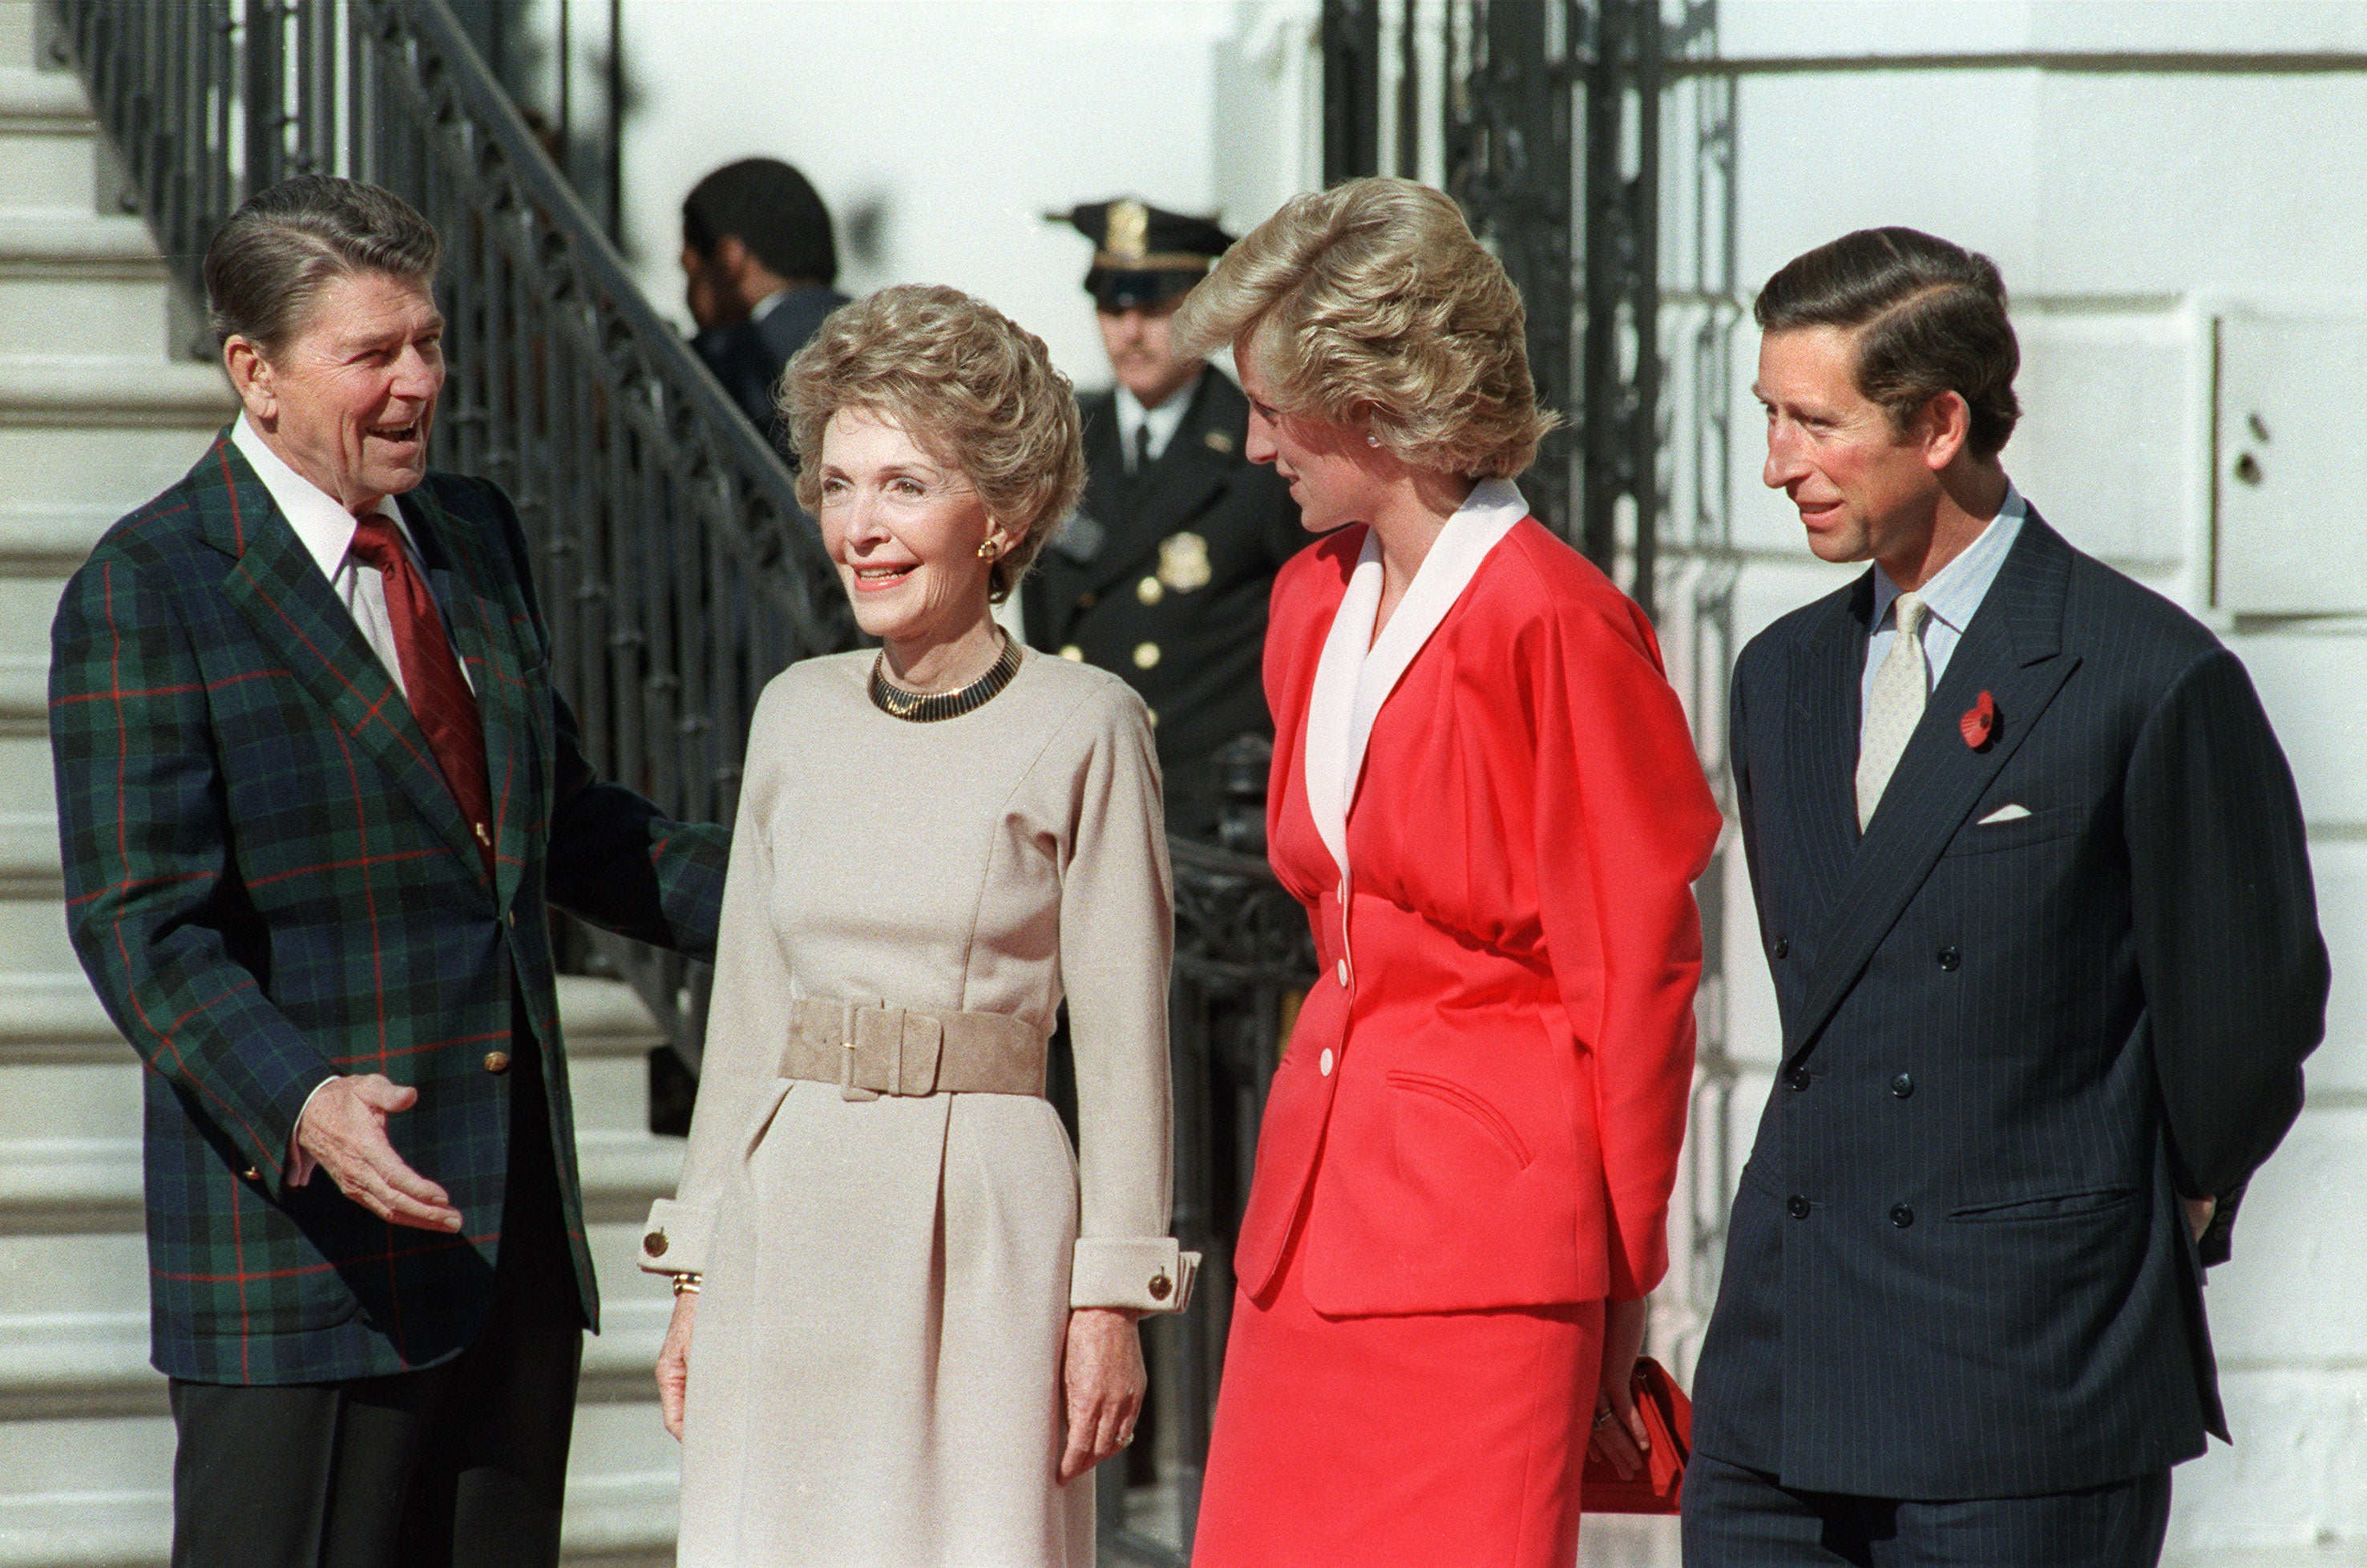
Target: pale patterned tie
(1895, 708)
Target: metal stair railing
(676, 570)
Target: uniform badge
(1218, 441)
(1184, 561)
(1079, 537)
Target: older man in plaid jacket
(315, 791)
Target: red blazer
(1484, 1096)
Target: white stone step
(43, 537)
(16, 34)
(621, 1507)
(49, 149)
(88, 473)
(80, 285)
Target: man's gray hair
(288, 241)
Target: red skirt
(1374, 1442)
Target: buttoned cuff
(675, 1239)
(1144, 1274)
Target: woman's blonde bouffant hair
(1370, 305)
(972, 387)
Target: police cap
(1143, 255)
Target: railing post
(265, 92)
(1623, 287)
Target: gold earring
(988, 550)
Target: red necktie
(440, 699)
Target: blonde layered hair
(1370, 305)
(969, 385)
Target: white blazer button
(1344, 974)
(1323, 1063)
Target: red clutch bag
(1668, 1418)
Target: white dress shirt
(1162, 422)
(326, 531)
(1952, 595)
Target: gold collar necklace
(928, 707)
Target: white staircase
(97, 416)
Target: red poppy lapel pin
(1979, 724)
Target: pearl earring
(1372, 440)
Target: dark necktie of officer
(440, 699)
(1142, 447)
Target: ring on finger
(1602, 1417)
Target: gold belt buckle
(848, 1012)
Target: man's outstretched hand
(344, 1128)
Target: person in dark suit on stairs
(2032, 879)
(759, 259)
(1163, 571)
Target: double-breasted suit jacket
(1163, 577)
(2068, 975)
(1494, 820)
(269, 884)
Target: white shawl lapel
(1358, 672)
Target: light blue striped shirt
(1954, 594)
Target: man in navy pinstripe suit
(2032, 879)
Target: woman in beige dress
(904, 1321)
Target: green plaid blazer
(269, 883)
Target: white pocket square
(2004, 813)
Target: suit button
(1796, 1077)
(1073, 653)
(654, 1243)
(1782, 945)
(1901, 1215)
(1949, 959)
(1146, 655)
(1903, 1085)
(1151, 590)
(497, 1062)
(1323, 1063)
(1344, 974)
(1798, 1206)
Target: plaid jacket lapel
(278, 586)
(480, 637)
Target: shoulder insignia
(1184, 561)
(1218, 441)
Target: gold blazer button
(1160, 1286)
(497, 1062)
(654, 1243)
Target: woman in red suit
(1486, 795)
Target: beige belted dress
(875, 1374)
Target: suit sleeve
(2234, 971)
(615, 860)
(154, 906)
(1118, 938)
(1624, 826)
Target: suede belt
(869, 1049)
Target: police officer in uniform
(1162, 574)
